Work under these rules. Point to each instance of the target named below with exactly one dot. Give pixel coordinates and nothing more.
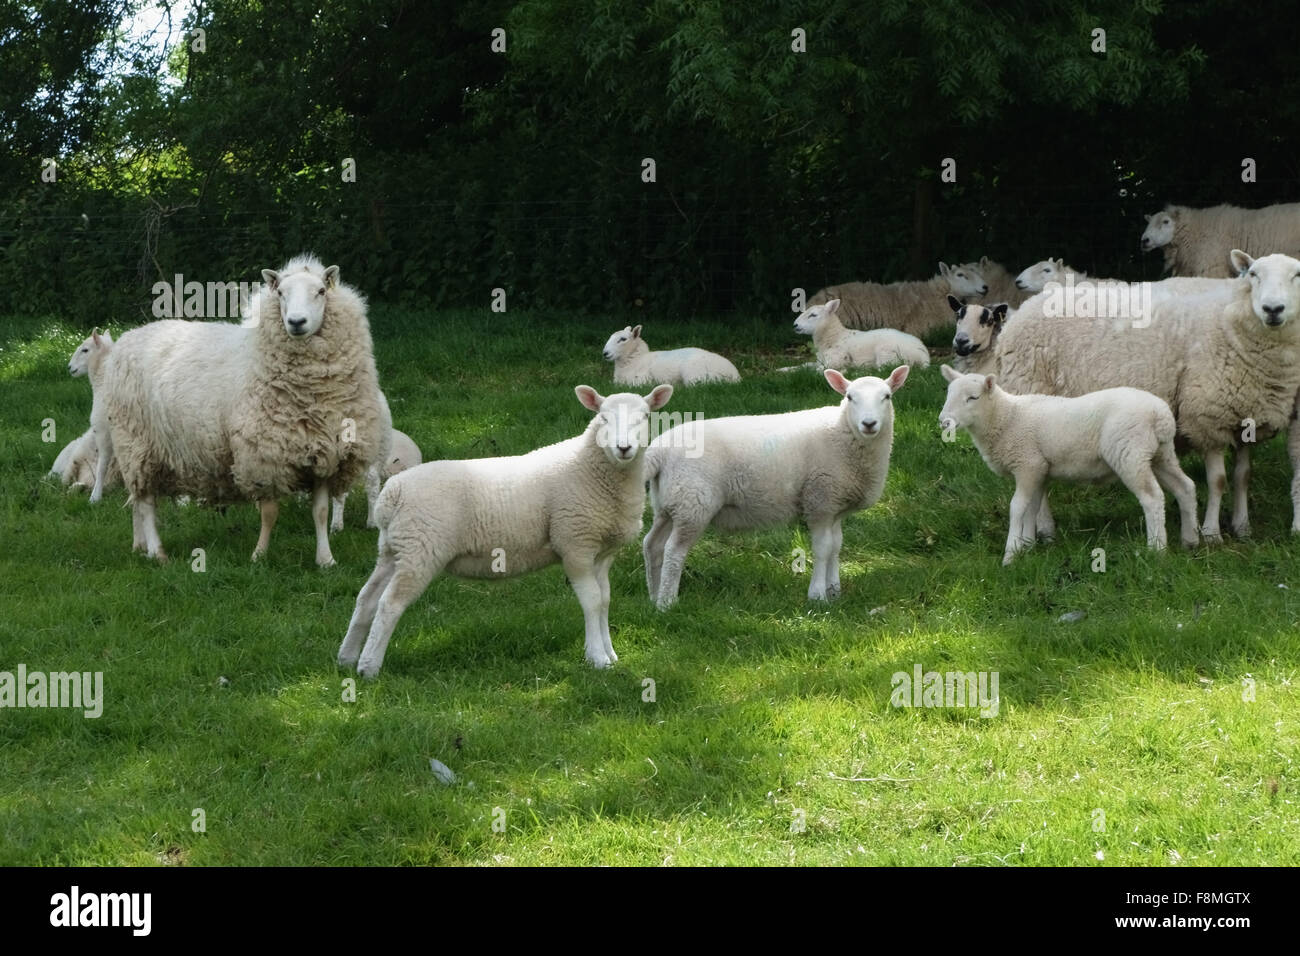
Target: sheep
(911, 307)
(635, 364)
(96, 444)
(1002, 286)
(75, 464)
(838, 347)
(575, 502)
(820, 464)
(227, 412)
(975, 341)
(1115, 432)
(1195, 240)
(1226, 357)
(1035, 277)
(404, 453)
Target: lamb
(1002, 286)
(635, 364)
(911, 307)
(820, 464)
(576, 502)
(404, 453)
(75, 464)
(96, 444)
(1115, 432)
(1226, 358)
(838, 347)
(229, 412)
(1195, 240)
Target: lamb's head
(622, 343)
(977, 325)
(1274, 286)
(1036, 277)
(965, 279)
(868, 401)
(96, 344)
(622, 422)
(967, 399)
(301, 295)
(809, 319)
(1160, 229)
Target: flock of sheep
(289, 402)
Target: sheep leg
(1175, 481)
(149, 525)
(405, 584)
(137, 528)
(1293, 452)
(1240, 486)
(833, 567)
(338, 504)
(1216, 479)
(374, 483)
(1020, 534)
(320, 512)
(823, 535)
(583, 579)
(602, 577)
(363, 615)
(679, 543)
(104, 446)
(270, 509)
(652, 550)
(1046, 524)
(1142, 482)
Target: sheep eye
(971, 398)
(889, 397)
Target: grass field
(1127, 737)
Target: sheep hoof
(1212, 537)
(1008, 558)
(599, 662)
(348, 661)
(327, 563)
(336, 527)
(1243, 532)
(258, 554)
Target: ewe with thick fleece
(1002, 285)
(227, 412)
(403, 454)
(1196, 241)
(838, 347)
(911, 307)
(1218, 357)
(754, 471)
(975, 341)
(1116, 432)
(576, 502)
(635, 364)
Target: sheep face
(809, 319)
(868, 401)
(79, 363)
(301, 296)
(623, 421)
(977, 326)
(1036, 277)
(1159, 231)
(1274, 286)
(967, 398)
(621, 343)
(964, 280)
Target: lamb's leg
(104, 446)
(148, 523)
(374, 484)
(270, 509)
(1046, 523)
(1216, 479)
(339, 503)
(823, 535)
(1174, 480)
(652, 550)
(581, 570)
(602, 577)
(1142, 482)
(679, 543)
(320, 512)
(406, 583)
(1240, 488)
(833, 568)
(363, 615)
(1020, 534)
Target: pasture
(1161, 728)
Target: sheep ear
(950, 374)
(989, 382)
(833, 305)
(984, 261)
(1240, 260)
(658, 398)
(954, 303)
(897, 377)
(590, 398)
(999, 312)
(636, 332)
(1150, 217)
(271, 278)
(95, 337)
(944, 269)
(836, 380)
(331, 277)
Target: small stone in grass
(442, 772)
(1072, 616)
(223, 681)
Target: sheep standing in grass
(635, 364)
(229, 412)
(756, 471)
(1226, 359)
(838, 347)
(403, 454)
(576, 502)
(975, 341)
(911, 307)
(1116, 432)
(1196, 241)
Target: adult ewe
(1002, 285)
(1227, 360)
(635, 364)
(1035, 278)
(576, 502)
(975, 341)
(912, 307)
(228, 412)
(1196, 241)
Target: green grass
(763, 704)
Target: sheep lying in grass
(1226, 359)
(576, 502)
(404, 454)
(975, 342)
(838, 347)
(911, 307)
(1002, 285)
(92, 457)
(1196, 241)
(1116, 432)
(821, 464)
(75, 464)
(229, 412)
(635, 364)
(1035, 278)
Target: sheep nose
(1274, 312)
(984, 289)
(1146, 243)
(297, 324)
(1020, 284)
(869, 425)
(624, 450)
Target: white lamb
(1196, 241)
(576, 502)
(1116, 432)
(230, 412)
(838, 347)
(756, 471)
(403, 454)
(911, 307)
(635, 364)
(1226, 359)
(92, 457)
